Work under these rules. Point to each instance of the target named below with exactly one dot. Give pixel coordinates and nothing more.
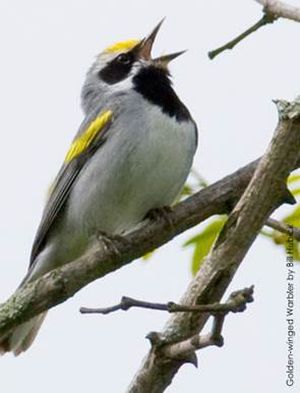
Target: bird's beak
(143, 49)
(163, 61)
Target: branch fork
(184, 350)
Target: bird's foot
(161, 213)
(111, 241)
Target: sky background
(46, 48)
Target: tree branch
(239, 232)
(236, 303)
(266, 19)
(281, 9)
(284, 228)
(185, 350)
(272, 10)
(62, 283)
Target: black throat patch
(154, 84)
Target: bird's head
(119, 66)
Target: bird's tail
(19, 339)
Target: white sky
(46, 48)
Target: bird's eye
(124, 58)
(117, 69)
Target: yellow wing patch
(81, 143)
(121, 46)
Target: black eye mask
(117, 69)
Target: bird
(131, 155)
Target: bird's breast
(142, 165)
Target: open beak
(163, 61)
(144, 48)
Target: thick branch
(62, 283)
(241, 229)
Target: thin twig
(236, 303)
(273, 10)
(284, 228)
(265, 20)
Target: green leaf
(294, 177)
(187, 190)
(148, 255)
(204, 241)
(295, 191)
(200, 252)
(294, 217)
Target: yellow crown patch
(121, 46)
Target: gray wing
(61, 189)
